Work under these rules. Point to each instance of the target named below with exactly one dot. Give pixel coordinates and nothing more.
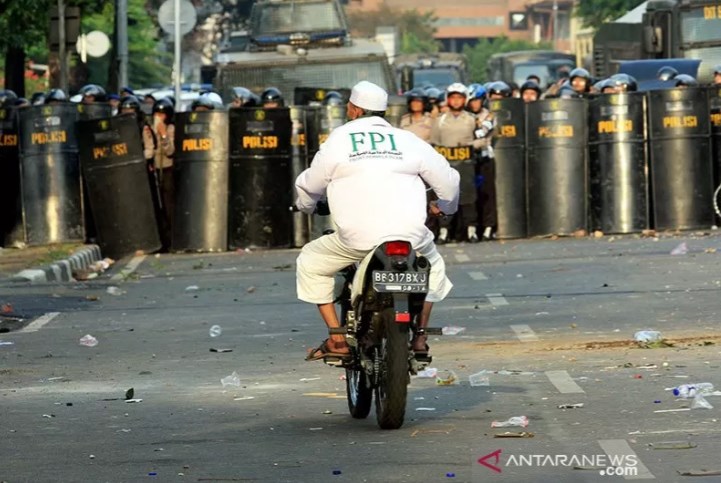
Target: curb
(62, 270)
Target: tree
(417, 28)
(594, 13)
(479, 54)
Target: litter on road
(452, 330)
(88, 341)
(521, 421)
(570, 406)
(429, 372)
(231, 380)
(448, 378)
(673, 445)
(509, 434)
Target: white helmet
(457, 88)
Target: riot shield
(556, 170)
(261, 184)
(680, 146)
(96, 110)
(617, 163)
(299, 161)
(50, 175)
(115, 173)
(11, 215)
(510, 154)
(309, 96)
(714, 101)
(200, 170)
(461, 158)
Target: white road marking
(462, 258)
(477, 275)
(563, 382)
(497, 299)
(132, 265)
(619, 448)
(524, 333)
(38, 323)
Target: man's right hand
(434, 210)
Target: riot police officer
(92, 93)
(685, 80)
(243, 97)
(434, 98)
(530, 91)
(333, 98)
(7, 98)
(417, 120)
(457, 128)
(55, 96)
(623, 83)
(580, 80)
(159, 148)
(666, 73)
(272, 98)
(207, 101)
(476, 96)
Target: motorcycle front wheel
(359, 393)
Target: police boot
(472, 235)
(488, 233)
(442, 236)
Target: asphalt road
(553, 320)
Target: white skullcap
(369, 96)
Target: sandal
(323, 351)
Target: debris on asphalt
(425, 409)
(129, 393)
(244, 398)
(307, 379)
(215, 331)
(671, 410)
(648, 366)
(6, 342)
(231, 380)
(681, 249)
(283, 267)
(327, 412)
(673, 445)
(686, 391)
(700, 402)
(452, 330)
(509, 434)
(192, 288)
(648, 233)
(113, 290)
(88, 341)
(429, 373)
(701, 472)
(448, 378)
(337, 472)
(92, 298)
(479, 379)
(647, 336)
(520, 421)
(220, 351)
(316, 429)
(48, 416)
(250, 289)
(131, 401)
(570, 406)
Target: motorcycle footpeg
(334, 361)
(430, 331)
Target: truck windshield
(701, 24)
(289, 17)
(522, 71)
(440, 78)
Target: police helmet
(130, 102)
(623, 82)
(434, 94)
(568, 92)
(164, 105)
(477, 91)
(580, 72)
(245, 96)
(333, 98)
(416, 93)
(457, 88)
(500, 88)
(7, 98)
(531, 85)
(666, 73)
(209, 100)
(272, 94)
(93, 90)
(127, 90)
(55, 95)
(37, 99)
(685, 80)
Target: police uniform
(452, 130)
(486, 173)
(159, 151)
(373, 175)
(420, 127)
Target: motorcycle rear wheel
(393, 380)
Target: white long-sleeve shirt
(373, 174)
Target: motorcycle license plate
(404, 282)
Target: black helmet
(272, 94)
(21, 102)
(666, 73)
(55, 95)
(93, 90)
(333, 98)
(623, 82)
(531, 85)
(164, 105)
(37, 99)
(417, 94)
(246, 97)
(568, 92)
(685, 80)
(130, 102)
(499, 88)
(433, 94)
(7, 98)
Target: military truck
(300, 43)
(667, 29)
(548, 65)
(437, 70)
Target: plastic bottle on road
(215, 331)
(647, 336)
(690, 390)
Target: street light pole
(555, 24)
(121, 20)
(178, 39)
(62, 51)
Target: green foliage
(594, 13)
(479, 54)
(416, 28)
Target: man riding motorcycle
(373, 175)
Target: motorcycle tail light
(403, 317)
(398, 248)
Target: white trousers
(320, 260)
